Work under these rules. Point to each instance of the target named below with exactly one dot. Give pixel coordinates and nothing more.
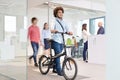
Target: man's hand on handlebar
(69, 33)
(56, 31)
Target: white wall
(113, 39)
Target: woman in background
(46, 34)
(85, 35)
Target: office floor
(16, 70)
(13, 69)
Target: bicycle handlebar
(62, 32)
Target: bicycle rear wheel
(69, 69)
(43, 64)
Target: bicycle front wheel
(44, 64)
(69, 69)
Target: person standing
(46, 36)
(74, 47)
(85, 35)
(57, 44)
(101, 29)
(34, 36)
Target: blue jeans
(85, 50)
(35, 47)
(57, 49)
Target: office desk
(97, 49)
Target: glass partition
(12, 40)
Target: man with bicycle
(57, 44)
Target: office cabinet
(97, 49)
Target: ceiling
(100, 1)
(69, 9)
(19, 7)
(13, 7)
(34, 3)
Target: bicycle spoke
(70, 65)
(66, 67)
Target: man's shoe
(60, 74)
(86, 61)
(54, 71)
(36, 65)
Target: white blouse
(85, 35)
(46, 34)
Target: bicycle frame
(61, 54)
(58, 55)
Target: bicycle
(45, 63)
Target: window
(10, 24)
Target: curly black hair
(56, 11)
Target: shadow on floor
(34, 74)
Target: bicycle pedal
(51, 66)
